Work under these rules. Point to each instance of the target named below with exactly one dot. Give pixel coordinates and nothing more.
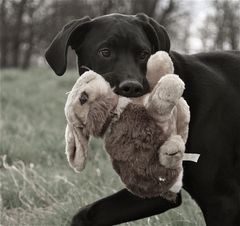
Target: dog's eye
(105, 52)
(144, 54)
(83, 98)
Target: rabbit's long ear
(76, 147)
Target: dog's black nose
(130, 88)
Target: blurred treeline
(28, 26)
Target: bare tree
(19, 8)
(28, 26)
(31, 34)
(143, 6)
(29, 40)
(3, 34)
(221, 28)
(12, 27)
(19, 31)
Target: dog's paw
(171, 152)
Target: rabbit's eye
(83, 98)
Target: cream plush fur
(164, 105)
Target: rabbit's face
(90, 94)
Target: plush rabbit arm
(158, 65)
(165, 97)
(165, 102)
(183, 119)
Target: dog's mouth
(127, 88)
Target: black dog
(118, 47)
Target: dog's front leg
(122, 207)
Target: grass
(38, 188)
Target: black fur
(212, 91)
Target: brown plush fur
(133, 143)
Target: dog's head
(115, 46)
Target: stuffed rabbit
(145, 138)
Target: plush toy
(145, 137)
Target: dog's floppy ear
(155, 32)
(76, 147)
(56, 53)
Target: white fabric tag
(191, 157)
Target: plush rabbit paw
(171, 152)
(158, 65)
(170, 88)
(166, 95)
